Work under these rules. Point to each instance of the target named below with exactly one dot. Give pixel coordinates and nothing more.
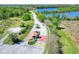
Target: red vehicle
(36, 34)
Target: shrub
(26, 16)
(22, 24)
(37, 26)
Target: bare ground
(52, 46)
(73, 28)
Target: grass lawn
(8, 40)
(17, 21)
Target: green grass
(67, 43)
(17, 21)
(8, 40)
(68, 8)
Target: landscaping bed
(22, 34)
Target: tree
(41, 17)
(55, 21)
(26, 16)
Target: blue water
(68, 14)
(71, 14)
(46, 9)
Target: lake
(46, 9)
(68, 14)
